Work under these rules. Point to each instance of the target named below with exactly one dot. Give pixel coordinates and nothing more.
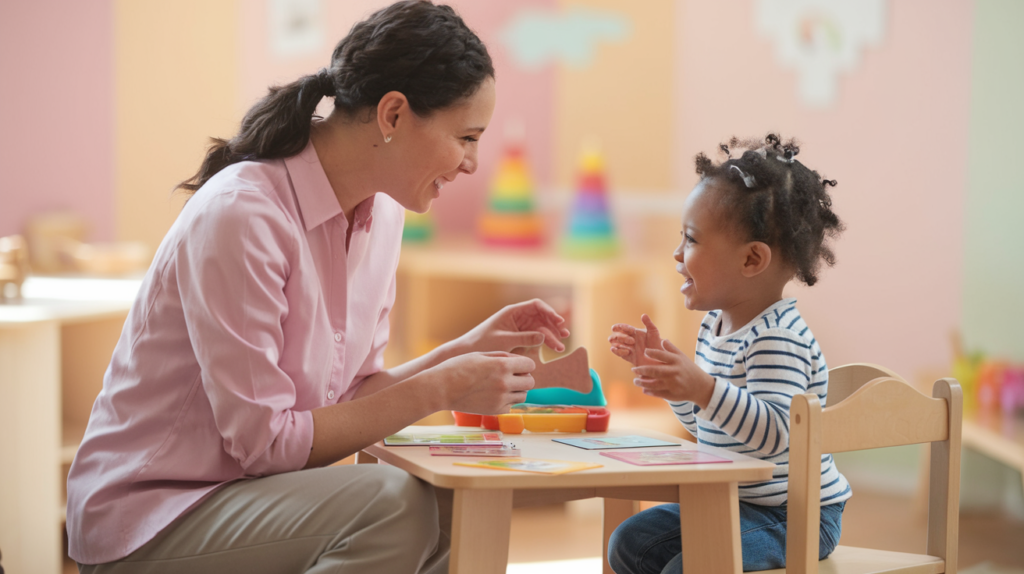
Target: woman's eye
(470, 139)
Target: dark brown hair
(776, 199)
(422, 50)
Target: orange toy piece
(549, 418)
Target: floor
(989, 543)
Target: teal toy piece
(564, 396)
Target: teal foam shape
(564, 396)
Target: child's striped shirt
(757, 370)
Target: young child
(752, 224)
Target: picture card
(656, 457)
(452, 437)
(606, 442)
(507, 449)
(535, 465)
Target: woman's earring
(387, 138)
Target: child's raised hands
(669, 374)
(631, 343)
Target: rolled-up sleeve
(232, 271)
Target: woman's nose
(469, 163)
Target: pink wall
(57, 112)
(523, 96)
(897, 143)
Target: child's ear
(757, 257)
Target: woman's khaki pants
(365, 518)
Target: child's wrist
(705, 391)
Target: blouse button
(330, 395)
(337, 337)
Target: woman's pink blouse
(252, 314)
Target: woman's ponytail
(277, 126)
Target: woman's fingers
(547, 311)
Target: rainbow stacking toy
(591, 234)
(419, 227)
(511, 219)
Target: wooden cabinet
(55, 345)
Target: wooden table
(483, 499)
(54, 347)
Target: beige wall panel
(176, 75)
(624, 100)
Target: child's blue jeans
(648, 542)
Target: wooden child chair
(872, 407)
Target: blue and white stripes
(757, 370)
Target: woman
(253, 354)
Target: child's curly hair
(777, 200)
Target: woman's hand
(526, 324)
(671, 375)
(631, 343)
(485, 383)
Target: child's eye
(688, 237)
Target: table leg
(30, 430)
(709, 517)
(481, 524)
(363, 457)
(615, 512)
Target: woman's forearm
(487, 383)
(345, 428)
(384, 379)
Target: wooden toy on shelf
(511, 218)
(419, 227)
(591, 234)
(13, 266)
(119, 258)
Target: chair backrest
(873, 408)
(844, 380)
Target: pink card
(656, 457)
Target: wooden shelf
(997, 436)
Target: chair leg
(615, 512)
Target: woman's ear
(757, 257)
(391, 109)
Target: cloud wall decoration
(538, 38)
